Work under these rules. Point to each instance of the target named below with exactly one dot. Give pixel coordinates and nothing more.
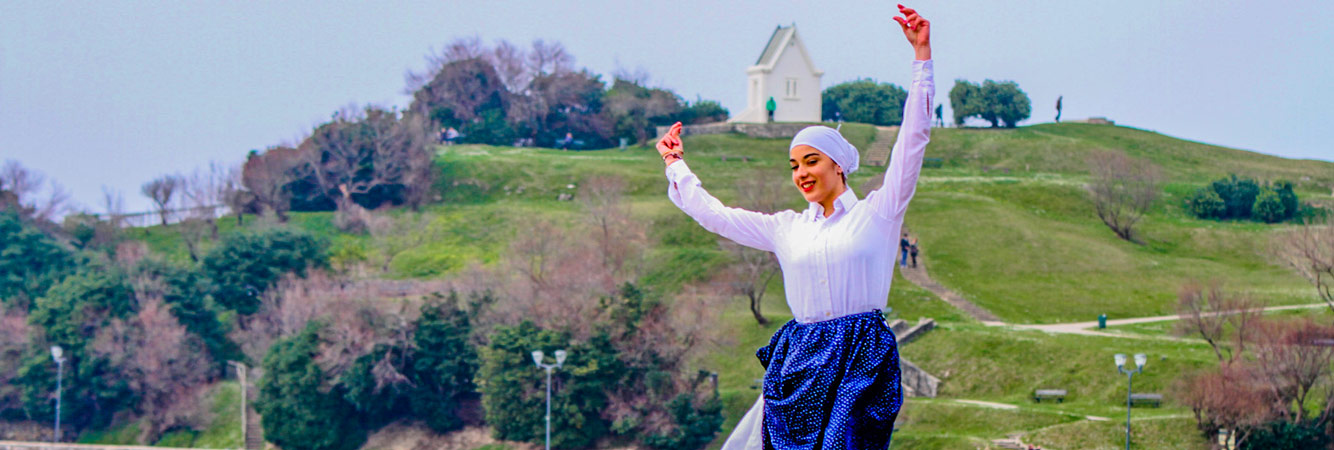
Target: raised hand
(917, 30)
(671, 142)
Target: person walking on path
(912, 251)
(831, 379)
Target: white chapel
(786, 74)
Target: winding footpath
(918, 276)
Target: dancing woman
(831, 377)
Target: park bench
(932, 163)
(1049, 394)
(1153, 399)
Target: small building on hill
(784, 73)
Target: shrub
(514, 390)
(1286, 436)
(297, 412)
(1206, 204)
(1238, 195)
(1268, 207)
(695, 427)
(32, 261)
(247, 264)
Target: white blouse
(838, 265)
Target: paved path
(918, 275)
(1084, 328)
(986, 404)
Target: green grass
(999, 365)
(1005, 222)
(223, 431)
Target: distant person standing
(771, 106)
(1058, 108)
(912, 251)
(903, 249)
(940, 115)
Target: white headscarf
(829, 141)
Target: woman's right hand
(671, 143)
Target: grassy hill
(1004, 221)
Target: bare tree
(548, 58)
(234, 195)
(161, 191)
(266, 176)
(1208, 312)
(1230, 398)
(361, 150)
(1309, 250)
(753, 269)
(392, 236)
(1297, 361)
(14, 338)
(205, 191)
(114, 205)
(161, 362)
(608, 217)
(21, 189)
(1123, 189)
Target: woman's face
(814, 173)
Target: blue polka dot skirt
(831, 385)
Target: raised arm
(891, 200)
(748, 228)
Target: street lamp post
(58, 354)
(1140, 359)
(560, 359)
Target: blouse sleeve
(890, 202)
(748, 228)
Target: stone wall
(755, 130)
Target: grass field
(1005, 222)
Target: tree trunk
(755, 309)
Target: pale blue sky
(115, 93)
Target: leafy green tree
(995, 102)
(635, 109)
(444, 364)
(966, 101)
(1006, 103)
(1268, 206)
(30, 261)
(246, 264)
(1206, 204)
(69, 315)
(514, 390)
(185, 292)
(297, 411)
(864, 101)
(702, 111)
(379, 396)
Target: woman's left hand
(917, 30)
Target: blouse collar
(842, 205)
